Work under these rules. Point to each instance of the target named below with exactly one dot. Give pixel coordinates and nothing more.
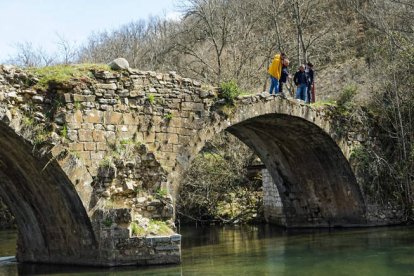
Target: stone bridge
(90, 167)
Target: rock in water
(119, 64)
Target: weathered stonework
(6, 218)
(272, 203)
(81, 163)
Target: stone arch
(316, 183)
(53, 223)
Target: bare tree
(67, 51)
(29, 56)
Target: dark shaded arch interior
(52, 221)
(315, 181)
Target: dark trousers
(281, 87)
(309, 94)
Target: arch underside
(52, 221)
(315, 181)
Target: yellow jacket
(275, 69)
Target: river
(261, 250)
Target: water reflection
(265, 250)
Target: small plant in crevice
(106, 162)
(64, 131)
(28, 121)
(77, 105)
(107, 222)
(168, 116)
(161, 193)
(151, 98)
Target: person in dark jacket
(301, 81)
(284, 76)
(309, 74)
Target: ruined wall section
(126, 128)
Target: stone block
(97, 155)
(106, 86)
(110, 136)
(90, 146)
(84, 155)
(76, 146)
(114, 118)
(93, 116)
(101, 146)
(87, 126)
(129, 119)
(79, 98)
(98, 136)
(150, 137)
(75, 117)
(74, 126)
(85, 135)
(172, 138)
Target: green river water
(261, 250)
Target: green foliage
(107, 222)
(28, 121)
(64, 74)
(40, 136)
(348, 93)
(154, 227)
(361, 155)
(216, 188)
(124, 148)
(137, 230)
(161, 193)
(64, 131)
(77, 105)
(159, 227)
(229, 91)
(324, 103)
(106, 162)
(168, 116)
(151, 98)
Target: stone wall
(109, 136)
(272, 203)
(6, 218)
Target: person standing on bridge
(284, 76)
(310, 91)
(275, 72)
(301, 81)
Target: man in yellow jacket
(275, 71)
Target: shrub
(348, 93)
(229, 91)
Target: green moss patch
(63, 75)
